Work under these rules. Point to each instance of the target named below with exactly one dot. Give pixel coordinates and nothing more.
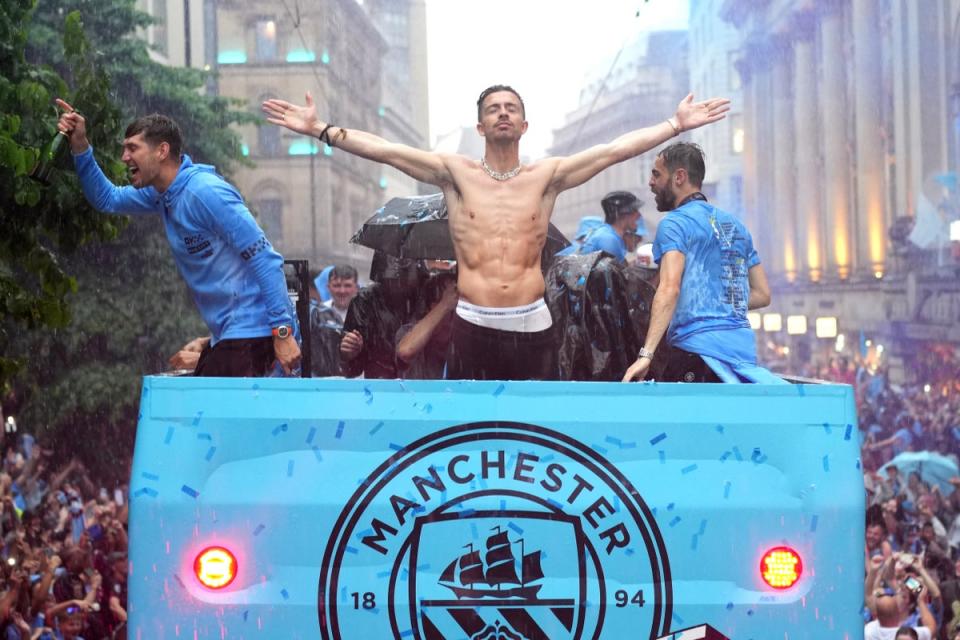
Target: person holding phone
(887, 625)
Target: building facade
(643, 88)
(850, 114)
(311, 197)
(714, 46)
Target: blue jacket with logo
(235, 275)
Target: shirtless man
(499, 211)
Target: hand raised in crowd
(74, 126)
(351, 345)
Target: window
(266, 40)
(159, 40)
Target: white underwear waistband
(528, 318)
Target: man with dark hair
(710, 275)
(621, 212)
(233, 272)
(499, 211)
(327, 318)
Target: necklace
(499, 176)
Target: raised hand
(296, 118)
(73, 125)
(691, 115)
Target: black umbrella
(416, 227)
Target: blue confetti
(826, 463)
(245, 614)
(693, 542)
(615, 441)
(259, 529)
(678, 619)
(427, 408)
(368, 395)
(376, 428)
(801, 390)
(204, 436)
(210, 453)
(517, 529)
(599, 449)
(150, 476)
(813, 523)
(316, 452)
(671, 506)
(395, 446)
(726, 454)
(703, 527)
(500, 388)
(352, 550)
(311, 435)
(676, 519)
(729, 606)
(285, 594)
(719, 428)
(736, 454)
(406, 634)
(726, 489)
(145, 491)
(169, 436)
(290, 468)
(193, 493)
(826, 427)
(280, 427)
(196, 418)
(657, 439)
(663, 456)
(340, 426)
(848, 432)
(688, 469)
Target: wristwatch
(282, 332)
(643, 353)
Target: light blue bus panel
(353, 509)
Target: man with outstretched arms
(499, 211)
(233, 272)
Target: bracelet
(324, 136)
(643, 353)
(675, 127)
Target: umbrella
(417, 227)
(935, 469)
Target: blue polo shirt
(605, 238)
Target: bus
(349, 509)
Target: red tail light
(781, 567)
(215, 567)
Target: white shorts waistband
(528, 318)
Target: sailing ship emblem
(502, 584)
(494, 575)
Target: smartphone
(913, 585)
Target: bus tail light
(781, 567)
(215, 567)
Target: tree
(130, 309)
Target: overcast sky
(542, 48)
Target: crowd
(910, 441)
(64, 555)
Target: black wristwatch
(283, 332)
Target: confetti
(280, 427)
(657, 439)
(848, 432)
(259, 529)
(210, 453)
(193, 493)
(826, 463)
(169, 436)
(340, 426)
(196, 418)
(150, 476)
(376, 427)
(204, 436)
(311, 435)
(688, 469)
(500, 388)
(813, 523)
(145, 491)
(290, 468)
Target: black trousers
(683, 366)
(241, 358)
(481, 353)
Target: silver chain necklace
(499, 176)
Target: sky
(542, 48)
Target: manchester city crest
(495, 531)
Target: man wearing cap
(622, 223)
(710, 275)
(499, 211)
